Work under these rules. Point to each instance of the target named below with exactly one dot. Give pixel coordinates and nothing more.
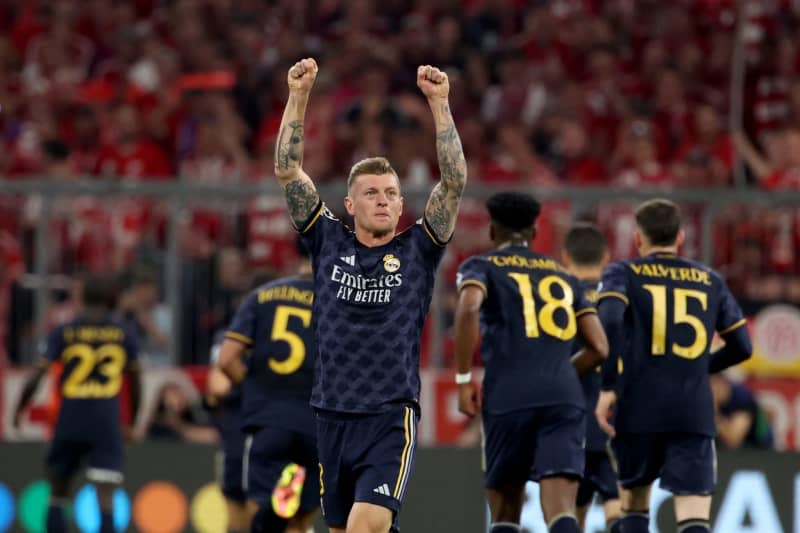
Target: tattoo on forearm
(302, 198)
(289, 148)
(442, 208)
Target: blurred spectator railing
(176, 198)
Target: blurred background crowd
(546, 94)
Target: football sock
(106, 522)
(635, 522)
(565, 523)
(694, 525)
(504, 527)
(56, 522)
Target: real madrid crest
(391, 263)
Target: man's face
(375, 203)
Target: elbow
(285, 175)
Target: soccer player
(660, 312)
(222, 394)
(529, 310)
(585, 256)
(96, 350)
(373, 286)
(272, 330)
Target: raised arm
(442, 208)
(301, 195)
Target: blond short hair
(370, 165)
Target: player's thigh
(105, 494)
(599, 474)
(505, 503)
(238, 515)
(688, 507)
(639, 458)
(560, 432)
(268, 452)
(557, 495)
(64, 459)
(366, 517)
(231, 468)
(384, 466)
(509, 447)
(690, 465)
(336, 481)
(612, 509)
(635, 498)
(106, 460)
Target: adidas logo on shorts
(383, 489)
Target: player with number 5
(529, 310)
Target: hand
(604, 410)
(302, 75)
(469, 399)
(131, 434)
(433, 82)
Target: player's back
(674, 307)
(276, 321)
(528, 323)
(596, 439)
(94, 354)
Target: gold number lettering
(546, 316)
(280, 332)
(680, 316)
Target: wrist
(462, 378)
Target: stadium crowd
(617, 93)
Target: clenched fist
(302, 75)
(433, 82)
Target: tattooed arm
(442, 208)
(301, 195)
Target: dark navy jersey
(275, 322)
(673, 308)
(528, 326)
(370, 307)
(596, 438)
(94, 355)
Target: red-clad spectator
(579, 166)
(640, 164)
(131, 155)
(707, 157)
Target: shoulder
(420, 230)
(617, 269)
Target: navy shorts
(365, 458)
(267, 452)
(232, 480)
(685, 462)
(532, 444)
(598, 477)
(105, 458)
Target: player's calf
(105, 500)
(56, 521)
